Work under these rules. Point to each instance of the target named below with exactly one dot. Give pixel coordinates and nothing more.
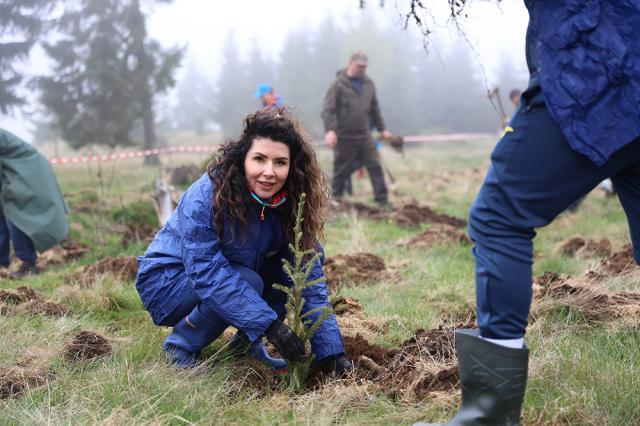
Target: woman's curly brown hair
(231, 198)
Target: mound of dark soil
(437, 234)
(414, 215)
(554, 290)
(67, 251)
(618, 263)
(15, 380)
(346, 305)
(123, 268)
(405, 215)
(28, 300)
(579, 247)
(421, 365)
(45, 307)
(87, 345)
(353, 269)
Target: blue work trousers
(22, 244)
(534, 176)
(262, 283)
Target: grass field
(585, 357)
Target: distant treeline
(439, 90)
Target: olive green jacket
(29, 193)
(349, 113)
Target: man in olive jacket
(350, 109)
(33, 213)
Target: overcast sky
(494, 30)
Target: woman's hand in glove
(337, 365)
(286, 341)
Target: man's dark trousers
(22, 244)
(349, 151)
(534, 176)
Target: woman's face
(267, 166)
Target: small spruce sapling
(301, 323)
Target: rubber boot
(493, 380)
(190, 335)
(256, 350)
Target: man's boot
(192, 334)
(27, 267)
(493, 380)
(256, 350)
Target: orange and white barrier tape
(212, 148)
(133, 154)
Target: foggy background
(227, 48)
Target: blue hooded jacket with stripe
(585, 55)
(189, 246)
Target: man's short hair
(515, 93)
(359, 58)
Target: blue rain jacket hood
(585, 54)
(188, 245)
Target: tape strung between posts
(123, 155)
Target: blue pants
(276, 299)
(534, 176)
(22, 244)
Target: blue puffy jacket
(585, 54)
(189, 245)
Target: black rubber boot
(493, 380)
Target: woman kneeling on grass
(214, 263)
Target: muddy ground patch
(585, 248)
(436, 235)
(347, 270)
(409, 214)
(553, 290)
(122, 268)
(27, 300)
(87, 345)
(17, 379)
(422, 365)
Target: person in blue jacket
(578, 123)
(214, 262)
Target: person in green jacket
(33, 213)
(350, 110)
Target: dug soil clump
(67, 251)
(122, 268)
(409, 214)
(414, 215)
(87, 345)
(25, 299)
(17, 379)
(353, 321)
(618, 263)
(579, 247)
(552, 290)
(435, 235)
(420, 366)
(354, 270)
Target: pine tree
(299, 271)
(106, 73)
(21, 22)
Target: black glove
(286, 341)
(338, 365)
